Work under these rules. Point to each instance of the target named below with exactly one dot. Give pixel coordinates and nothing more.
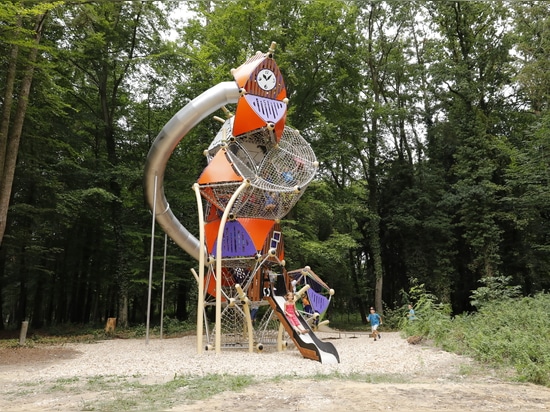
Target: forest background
(430, 121)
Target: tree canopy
(430, 121)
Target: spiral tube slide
(171, 134)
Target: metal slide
(309, 345)
(171, 134)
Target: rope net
(278, 172)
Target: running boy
(375, 321)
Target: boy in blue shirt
(375, 320)
(411, 315)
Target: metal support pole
(151, 262)
(163, 283)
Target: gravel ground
(411, 377)
(166, 358)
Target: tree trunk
(372, 172)
(7, 104)
(14, 135)
(374, 222)
(2, 274)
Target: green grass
(373, 378)
(64, 384)
(122, 394)
(118, 393)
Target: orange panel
(210, 285)
(213, 212)
(246, 119)
(242, 73)
(281, 95)
(209, 195)
(279, 128)
(278, 92)
(210, 282)
(258, 229)
(281, 250)
(219, 170)
(211, 234)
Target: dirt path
(129, 375)
(309, 395)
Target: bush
(173, 326)
(506, 332)
(494, 288)
(516, 332)
(432, 318)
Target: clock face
(266, 79)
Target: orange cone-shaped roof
(219, 169)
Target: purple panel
(236, 241)
(319, 303)
(269, 110)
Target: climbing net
(278, 172)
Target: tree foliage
(430, 122)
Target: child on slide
(290, 313)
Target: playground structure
(258, 168)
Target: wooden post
(110, 326)
(23, 334)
